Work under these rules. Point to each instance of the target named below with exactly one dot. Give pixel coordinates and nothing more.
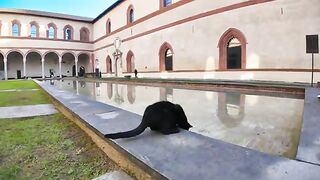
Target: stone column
(76, 64)
(5, 68)
(42, 66)
(24, 67)
(60, 61)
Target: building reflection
(110, 90)
(166, 94)
(118, 97)
(231, 109)
(131, 93)
(82, 84)
(98, 92)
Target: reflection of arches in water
(82, 84)
(74, 70)
(231, 109)
(166, 94)
(131, 90)
(110, 90)
(74, 84)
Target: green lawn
(23, 98)
(18, 84)
(45, 147)
(49, 147)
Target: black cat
(163, 116)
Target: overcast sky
(86, 8)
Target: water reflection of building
(118, 97)
(82, 84)
(231, 109)
(131, 93)
(166, 94)
(98, 89)
(110, 90)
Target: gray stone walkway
(309, 146)
(27, 111)
(185, 155)
(115, 175)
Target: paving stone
(27, 111)
(115, 175)
(309, 146)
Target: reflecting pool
(264, 123)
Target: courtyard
(160, 89)
(44, 147)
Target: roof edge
(114, 5)
(46, 14)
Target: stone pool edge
(119, 155)
(140, 169)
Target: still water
(264, 123)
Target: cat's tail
(127, 134)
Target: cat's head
(183, 121)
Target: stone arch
(2, 76)
(130, 14)
(14, 50)
(19, 26)
(130, 62)
(33, 64)
(51, 63)
(66, 27)
(68, 63)
(84, 34)
(51, 52)
(15, 64)
(162, 55)
(34, 23)
(54, 26)
(83, 63)
(108, 64)
(68, 52)
(224, 43)
(34, 50)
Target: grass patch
(49, 147)
(23, 98)
(18, 84)
(20, 98)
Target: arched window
(52, 31)
(84, 34)
(165, 3)
(166, 57)
(68, 32)
(130, 14)
(34, 29)
(232, 50)
(16, 28)
(108, 27)
(109, 65)
(130, 62)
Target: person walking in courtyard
(135, 73)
